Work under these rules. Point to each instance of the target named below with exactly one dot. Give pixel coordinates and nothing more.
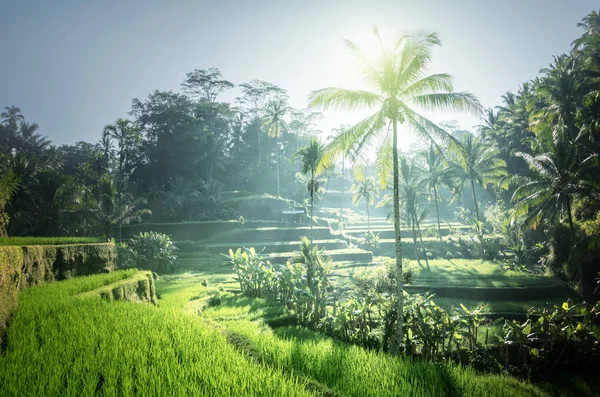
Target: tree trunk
(278, 192)
(399, 284)
(479, 225)
(368, 215)
(312, 196)
(422, 245)
(342, 195)
(475, 201)
(258, 136)
(413, 221)
(577, 258)
(437, 213)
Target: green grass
(350, 370)
(64, 343)
(50, 240)
(475, 273)
(496, 306)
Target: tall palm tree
(436, 174)
(479, 163)
(276, 110)
(399, 82)
(11, 117)
(365, 189)
(126, 133)
(310, 158)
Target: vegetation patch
(25, 266)
(61, 343)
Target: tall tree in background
(365, 189)
(399, 82)
(310, 158)
(11, 117)
(479, 163)
(126, 134)
(206, 86)
(275, 112)
(436, 174)
(255, 95)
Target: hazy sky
(74, 66)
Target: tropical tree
(436, 173)
(479, 163)
(276, 110)
(11, 117)
(112, 212)
(310, 158)
(399, 84)
(126, 134)
(365, 189)
(411, 196)
(557, 177)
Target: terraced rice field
(66, 341)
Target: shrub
(149, 251)
(370, 242)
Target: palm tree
(399, 83)
(126, 133)
(436, 173)
(275, 112)
(35, 142)
(112, 212)
(365, 189)
(479, 162)
(310, 158)
(557, 177)
(11, 117)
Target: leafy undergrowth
(345, 369)
(63, 342)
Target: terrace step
(341, 255)
(496, 293)
(388, 233)
(251, 236)
(268, 247)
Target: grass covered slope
(345, 369)
(64, 341)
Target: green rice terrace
(342, 235)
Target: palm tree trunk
(395, 348)
(258, 136)
(579, 263)
(413, 220)
(479, 225)
(342, 195)
(422, 245)
(368, 215)
(278, 192)
(475, 201)
(437, 213)
(312, 197)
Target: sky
(74, 66)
